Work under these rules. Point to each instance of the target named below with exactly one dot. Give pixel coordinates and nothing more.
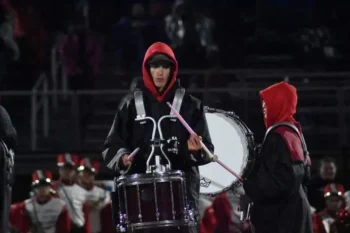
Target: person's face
(43, 191)
(334, 203)
(86, 177)
(67, 172)
(264, 109)
(160, 73)
(328, 171)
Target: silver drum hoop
(249, 138)
(149, 178)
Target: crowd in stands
(120, 31)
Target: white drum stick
(131, 156)
(184, 123)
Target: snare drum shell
(146, 198)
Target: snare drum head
(231, 145)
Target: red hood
(155, 48)
(281, 102)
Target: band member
(99, 199)
(325, 221)
(208, 222)
(276, 188)
(8, 141)
(73, 194)
(149, 98)
(224, 215)
(42, 212)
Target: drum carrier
(156, 199)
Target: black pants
(76, 229)
(6, 172)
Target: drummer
(159, 85)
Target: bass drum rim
(249, 161)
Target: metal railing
(40, 96)
(39, 102)
(247, 78)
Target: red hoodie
(157, 48)
(281, 103)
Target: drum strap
(140, 106)
(303, 143)
(177, 102)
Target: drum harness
(301, 137)
(39, 228)
(159, 143)
(9, 163)
(142, 118)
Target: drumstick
(131, 156)
(202, 144)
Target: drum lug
(190, 215)
(120, 228)
(122, 218)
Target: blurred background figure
(98, 199)
(37, 213)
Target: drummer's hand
(126, 161)
(194, 143)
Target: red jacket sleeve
(223, 212)
(208, 222)
(86, 211)
(63, 224)
(317, 224)
(107, 224)
(19, 218)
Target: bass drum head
(231, 145)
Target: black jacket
(280, 203)
(126, 134)
(8, 136)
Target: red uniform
(73, 195)
(49, 216)
(219, 216)
(323, 222)
(100, 215)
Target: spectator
(81, 54)
(130, 38)
(9, 50)
(205, 30)
(327, 175)
(174, 25)
(33, 44)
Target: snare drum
(153, 200)
(234, 144)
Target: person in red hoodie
(73, 194)
(42, 212)
(329, 220)
(277, 184)
(98, 198)
(149, 98)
